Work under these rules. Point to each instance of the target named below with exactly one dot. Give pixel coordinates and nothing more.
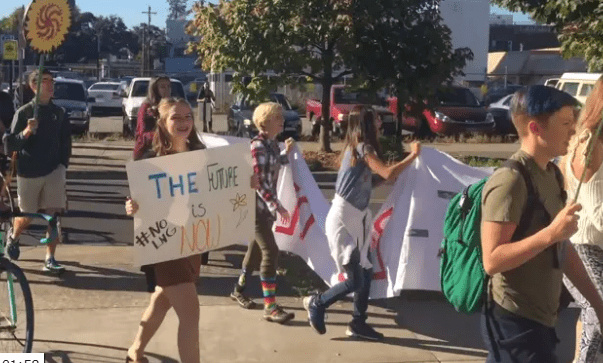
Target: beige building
(533, 66)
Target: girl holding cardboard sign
(172, 282)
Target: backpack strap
(521, 169)
(532, 200)
(560, 180)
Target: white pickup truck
(134, 96)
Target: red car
(457, 111)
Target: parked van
(578, 85)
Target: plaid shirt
(267, 161)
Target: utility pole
(147, 59)
(144, 57)
(21, 43)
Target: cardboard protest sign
(191, 202)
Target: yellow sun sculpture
(47, 23)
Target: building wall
(504, 38)
(469, 22)
(501, 19)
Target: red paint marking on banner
(288, 230)
(379, 227)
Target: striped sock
(269, 289)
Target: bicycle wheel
(16, 310)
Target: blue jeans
(358, 281)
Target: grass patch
(299, 275)
(99, 136)
(475, 139)
(480, 161)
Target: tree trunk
(400, 111)
(327, 125)
(327, 82)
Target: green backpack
(462, 276)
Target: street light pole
(98, 75)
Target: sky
(131, 11)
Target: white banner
(191, 202)
(407, 230)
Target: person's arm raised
(391, 172)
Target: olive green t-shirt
(531, 290)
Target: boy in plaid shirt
(267, 160)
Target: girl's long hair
(153, 96)
(360, 128)
(590, 116)
(162, 141)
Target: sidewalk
(92, 314)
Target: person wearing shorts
(43, 147)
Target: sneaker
(244, 301)
(12, 246)
(316, 314)
(278, 315)
(52, 265)
(363, 330)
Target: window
(104, 87)
(457, 96)
(177, 90)
(140, 89)
(586, 89)
(344, 96)
(281, 100)
(69, 91)
(228, 78)
(507, 102)
(571, 88)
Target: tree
(293, 38)
(404, 46)
(155, 37)
(578, 22)
(10, 24)
(177, 9)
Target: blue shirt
(354, 183)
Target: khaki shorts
(46, 192)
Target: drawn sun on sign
(47, 24)
(238, 201)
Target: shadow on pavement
(72, 355)
(85, 277)
(424, 344)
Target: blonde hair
(589, 118)
(162, 143)
(265, 112)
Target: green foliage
(177, 9)
(289, 38)
(405, 46)
(579, 24)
